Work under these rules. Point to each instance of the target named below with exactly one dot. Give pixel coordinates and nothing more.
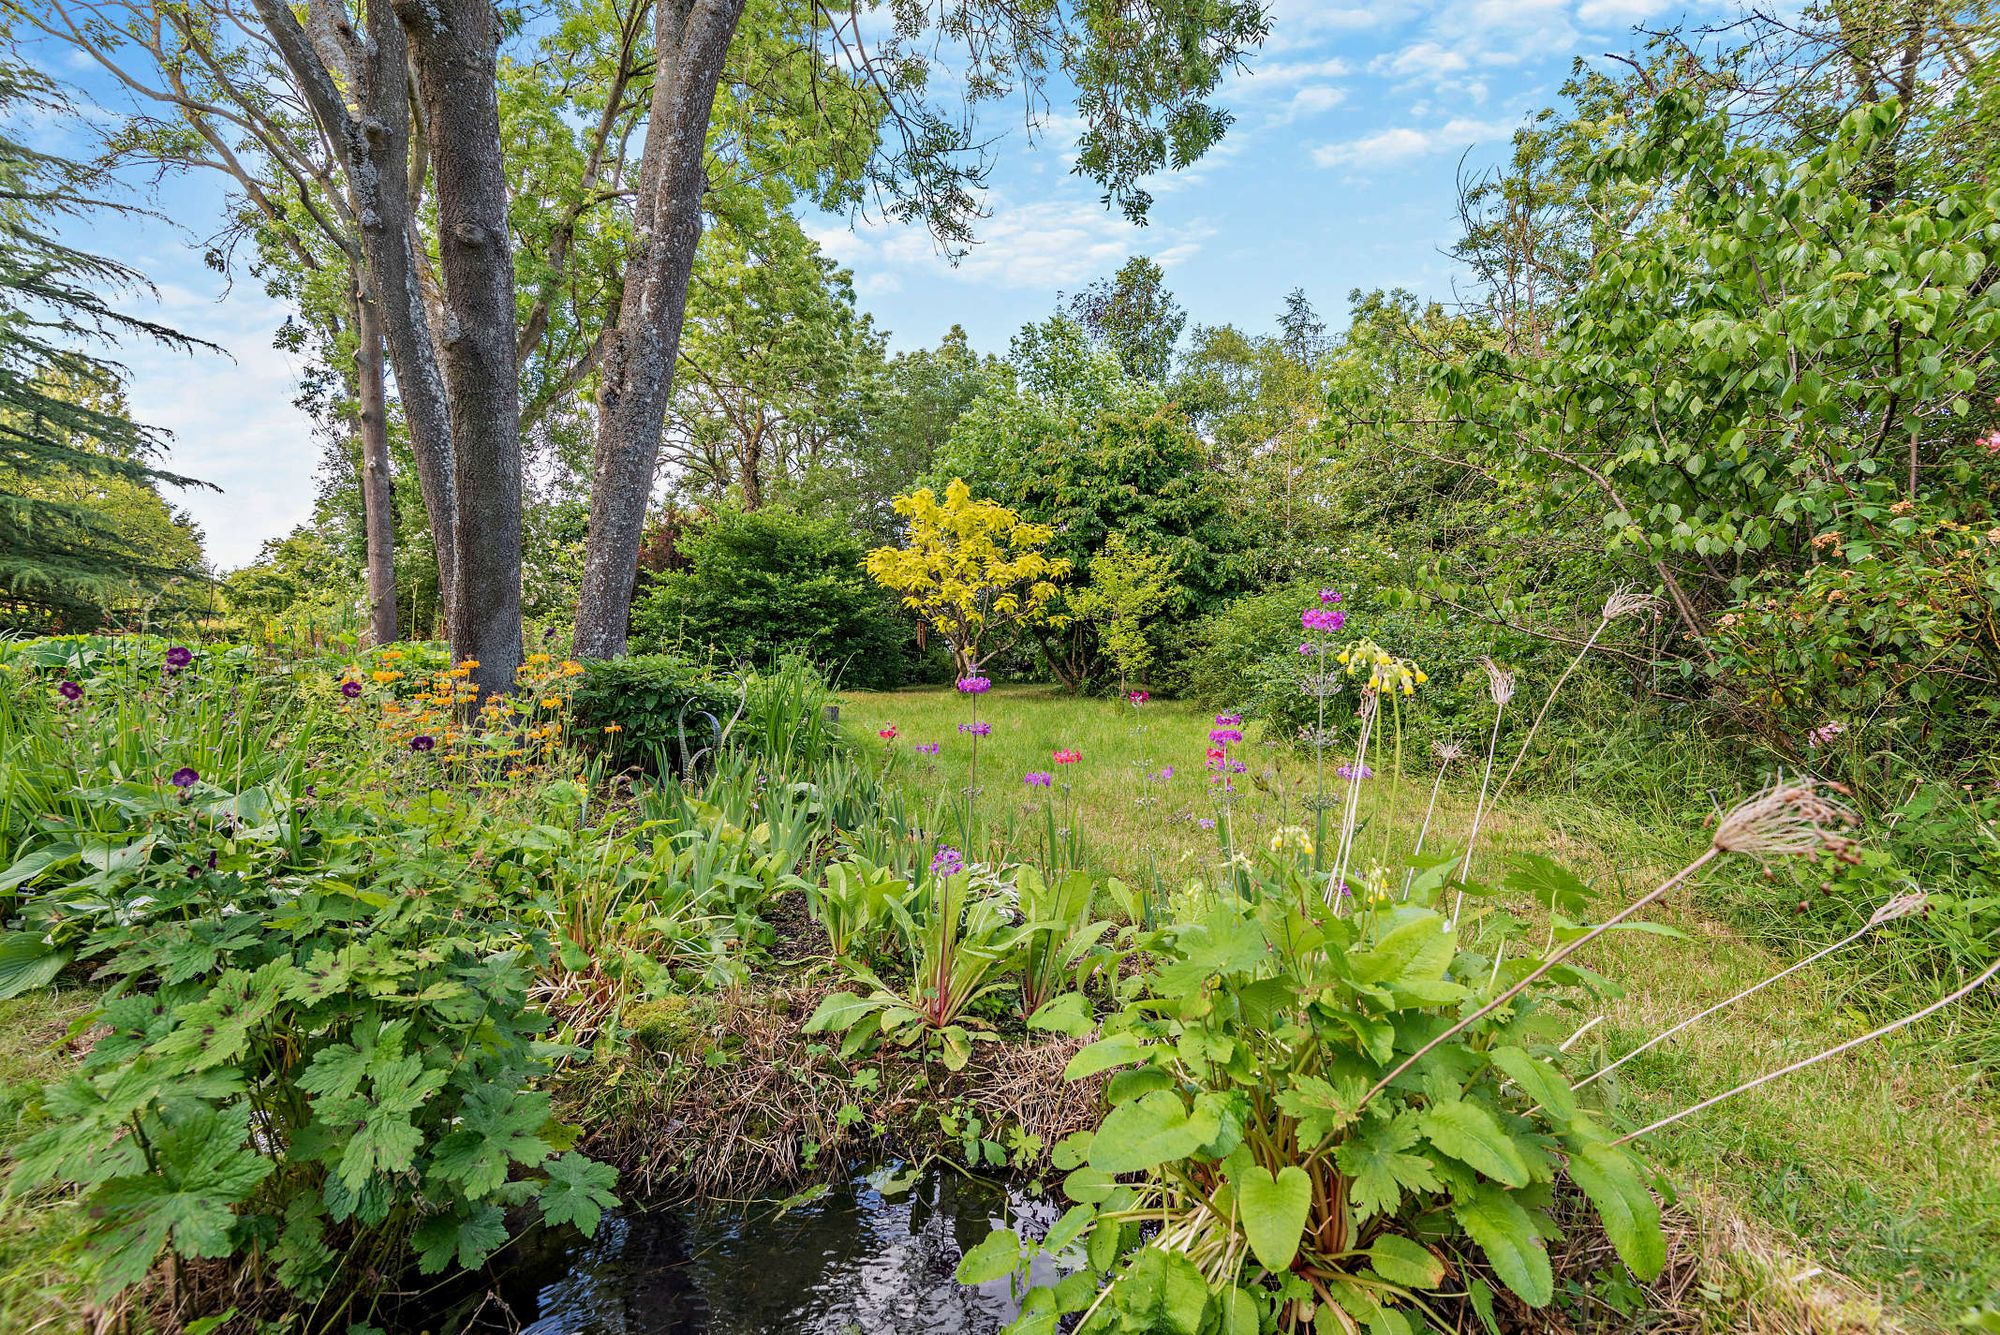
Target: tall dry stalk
(1500, 688)
(1782, 820)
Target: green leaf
(1631, 1215)
(497, 1127)
(1404, 1261)
(1068, 1014)
(1120, 1049)
(578, 1192)
(1161, 1293)
(838, 1012)
(1538, 1080)
(1495, 1221)
(1417, 950)
(468, 1238)
(1378, 1167)
(1273, 1209)
(997, 1256)
(1469, 1134)
(1151, 1130)
(28, 963)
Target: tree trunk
(691, 44)
(454, 47)
(374, 148)
(377, 496)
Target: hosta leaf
(1404, 1261)
(1149, 1131)
(1471, 1135)
(1376, 1161)
(1494, 1220)
(1273, 1209)
(28, 963)
(578, 1192)
(1631, 1215)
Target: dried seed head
(1785, 819)
(1902, 906)
(1447, 751)
(1499, 682)
(1625, 603)
(1366, 709)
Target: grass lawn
(1879, 1165)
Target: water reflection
(859, 1259)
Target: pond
(871, 1255)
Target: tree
(1128, 587)
(971, 569)
(1134, 315)
(73, 464)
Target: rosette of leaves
(1272, 1158)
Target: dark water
(860, 1258)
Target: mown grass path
(1882, 1165)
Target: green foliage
(336, 971)
(83, 530)
(651, 709)
(762, 584)
(1296, 1135)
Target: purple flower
(423, 741)
(69, 690)
(948, 862)
(1225, 735)
(1355, 772)
(974, 685)
(1305, 649)
(350, 689)
(184, 778)
(927, 748)
(1206, 823)
(980, 729)
(179, 657)
(1038, 778)
(1319, 618)
(1165, 774)
(1229, 720)
(1328, 597)
(1825, 733)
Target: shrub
(765, 583)
(646, 707)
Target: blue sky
(1338, 173)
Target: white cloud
(1039, 245)
(875, 284)
(1419, 60)
(1404, 143)
(1314, 100)
(1618, 11)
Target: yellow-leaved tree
(973, 570)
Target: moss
(677, 1025)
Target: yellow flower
(614, 727)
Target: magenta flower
(1223, 736)
(1229, 720)
(887, 734)
(423, 741)
(1139, 697)
(1328, 597)
(179, 657)
(1165, 774)
(1038, 778)
(1068, 757)
(1320, 619)
(948, 862)
(351, 689)
(974, 685)
(69, 690)
(1305, 649)
(184, 778)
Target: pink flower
(1328, 597)
(887, 734)
(1068, 757)
(1139, 697)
